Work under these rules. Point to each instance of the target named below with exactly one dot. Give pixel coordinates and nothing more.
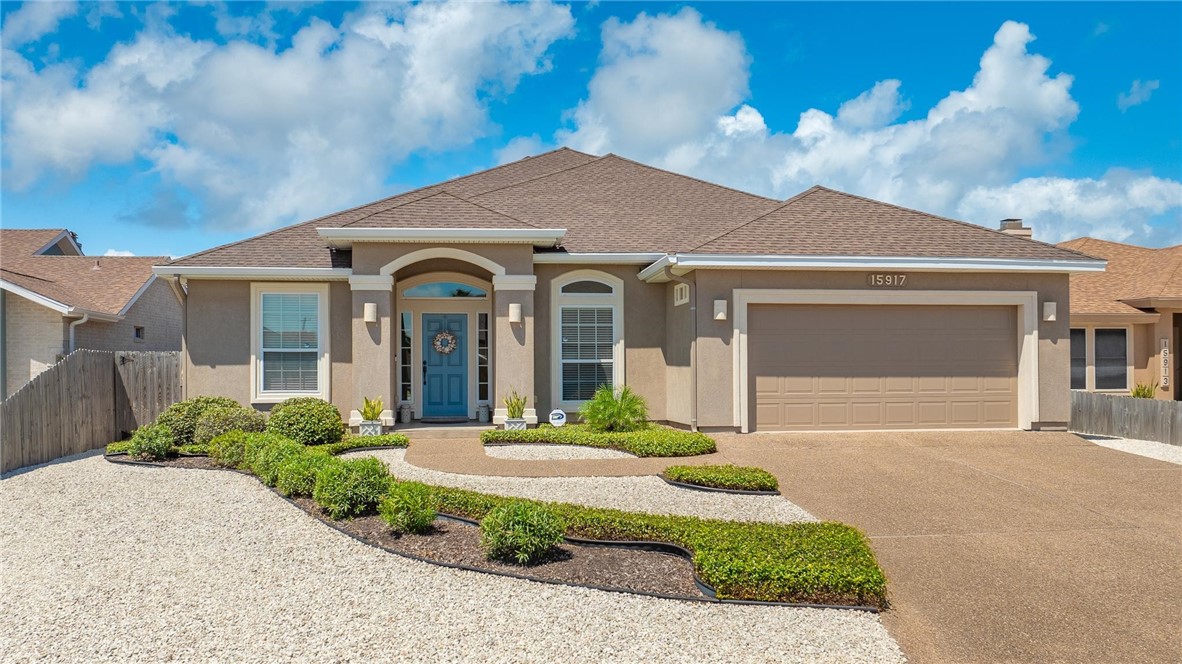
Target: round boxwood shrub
(520, 532)
(222, 419)
(351, 488)
(297, 475)
(228, 449)
(273, 455)
(307, 420)
(410, 508)
(153, 441)
(181, 417)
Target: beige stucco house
(565, 271)
(54, 299)
(1125, 322)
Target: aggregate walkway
(1001, 546)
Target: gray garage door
(882, 367)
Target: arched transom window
(588, 326)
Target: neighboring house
(558, 273)
(53, 299)
(1125, 322)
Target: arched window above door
(444, 289)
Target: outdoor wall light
(1049, 311)
(370, 312)
(514, 312)
(720, 310)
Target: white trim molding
(682, 264)
(596, 258)
(254, 273)
(442, 252)
(516, 282)
(1026, 334)
(343, 238)
(559, 301)
(323, 340)
(371, 282)
(64, 235)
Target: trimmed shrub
(742, 478)
(223, 419)
(609, 411)
(410, 508)
(181, 417)
(651, 441)
(297, 475)
(521, 532)
(351, 488)
(153, 441)
(307, 420)
(228, 449)
(272, 456)
(358, 442)
(119, 447)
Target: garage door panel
(867, 367)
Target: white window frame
(559, 301)
(1090, 347)
(681, 294)
(257, 290)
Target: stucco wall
(1147, 352)
(157, 310)
(371, 257)
(678, 333)
(644, 335)
(34, 337)
(715, 375)
(217, 342)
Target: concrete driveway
(1001, 546)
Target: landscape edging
(699, 487)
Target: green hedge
(651, 441)
(743, 478)
(307, 420)
(181, 417)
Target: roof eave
(684, 263)
(253, 273)
(1079, 318)
(1154, 302)
(343, 238)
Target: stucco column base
(387, 418)
(501, 414)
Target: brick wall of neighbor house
(644, 335)
(157, 310)
(217, 342)
(34, 337)
(715, 359)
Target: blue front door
(445, 365)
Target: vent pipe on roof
(1015, 227)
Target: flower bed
(650, 441)
(727, 477)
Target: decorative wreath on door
(444, 342)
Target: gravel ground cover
(1145, 448)
(103, 562)
(637, 494)
(540, 452)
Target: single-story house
(561, 272)
(54, 299)
(1126, 323)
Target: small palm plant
(372, 409)
(515, 410)
(1143, 391)
(609, 411)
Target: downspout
(693, 305)
(85, 317)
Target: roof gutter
(85, 318)
(685, 263)
(601, 258)
(693, 349)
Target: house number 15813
(882, 280)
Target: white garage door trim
(1027, 332)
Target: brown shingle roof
(611, 204)
(24, 241)
(102, 284)
(824, 222)
(1133, 273)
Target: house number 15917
(884, 280)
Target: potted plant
(371, 417)
(515, 409)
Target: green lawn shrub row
(650, 441)
(742, 478)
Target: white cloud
(33, 21)
(520, 147)
(963, 157)
(262, 137)
(118, 252)
(1138, 94)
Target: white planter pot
(515, 425)
(370, 428)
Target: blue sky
(167, 129)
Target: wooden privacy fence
(1126, 417)
(85, 401)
